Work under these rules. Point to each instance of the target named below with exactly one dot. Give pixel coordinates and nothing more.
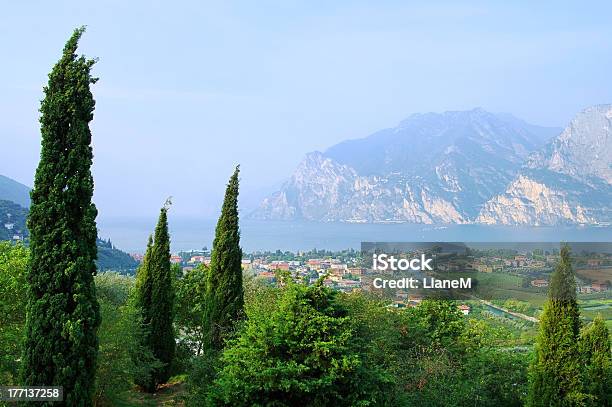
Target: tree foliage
(224, 291)
(597, 361)
(119, 335)
(555, 370)
(300, 354)
(63, 315)
(190, 303)
(155, 299)
(13, 292)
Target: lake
(130, 234)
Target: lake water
(130, 234)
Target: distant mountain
(431, 168)
(112, 259)
(11, 190)
(13, 227)
(567, 181)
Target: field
(499, 287)
(503, 286)
(602, 274)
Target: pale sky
(189, 89)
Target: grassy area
(596, 274)
(597, 303)
(519, 332)
(534, 298)
(504, 286)
(500, 287)
(169, 394)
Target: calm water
(131, 234)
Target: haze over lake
(130, 234)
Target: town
(347, 270)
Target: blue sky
(189, 89)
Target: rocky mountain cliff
(431, 168)
(568, 181)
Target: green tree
(63, 315)
(190, 305)
(119, 337)
(443, 320)
(302, 353)
(224, 291)
(597, 363)
(155, 298)
(555, 371)
(13, 293)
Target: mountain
(568, 181)
(431, 168)
(13, 227)
(11, 190)
(112, 259)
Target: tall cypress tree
(597, 361)
(155, 298)
(555, 370)
(63, 315)
(224, 291)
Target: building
(465, 309)
(599, 286)
(279, 265)
(355, 271)
(197, 259)
(539, 283)
(484, 268)
(174, 259)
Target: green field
(503, 286)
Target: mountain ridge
(451, 167)
(569, 181)
(11, 190)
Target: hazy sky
(189, 89)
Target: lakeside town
(515, 271)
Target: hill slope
(13, 227)
(11, 190)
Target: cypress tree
(155, 297)
(597, 361)
(555, 370)
(63, 315)
(224, 291)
